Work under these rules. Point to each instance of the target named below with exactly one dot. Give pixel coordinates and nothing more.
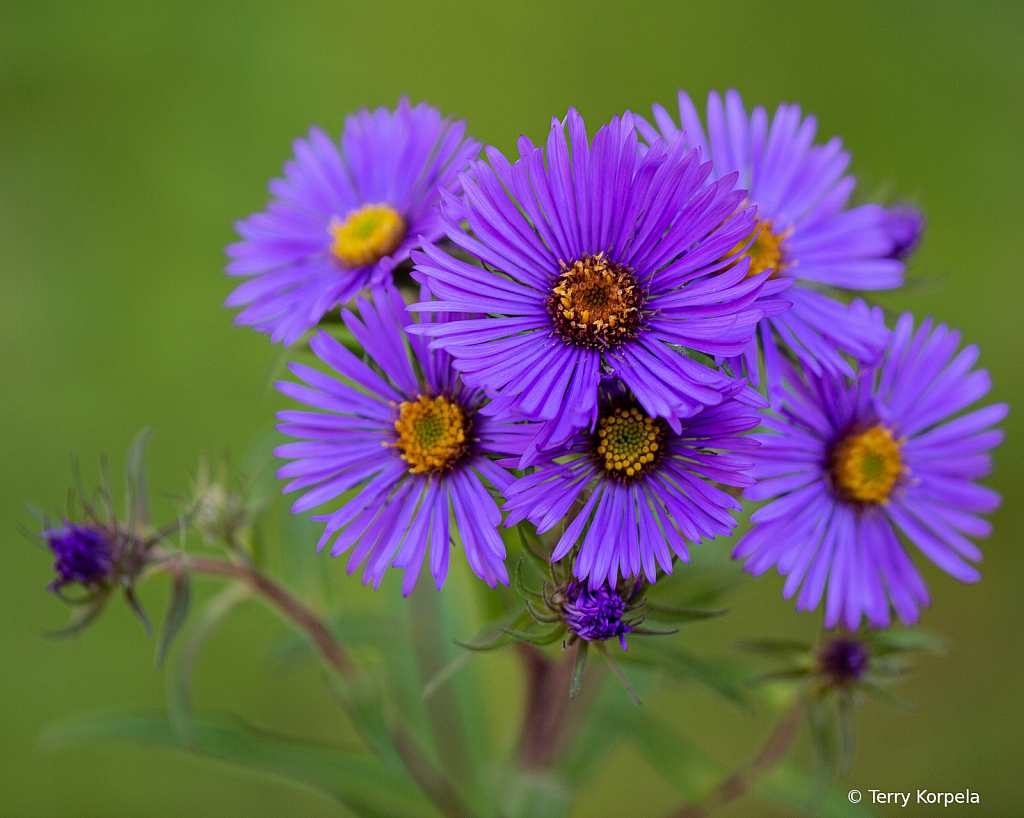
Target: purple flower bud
(905, 226)
(82, 555)
(594, 615)
(843, 660)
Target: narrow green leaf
(900, 640)
(724, 678)
(443, 675)
(499, 638)
(579, 668)
(776, 648)
(620, 673)
(536, 638)
(532, 547)
(362, 699)
(136, 488)
(668, 613)
(520, 586)
(82, 616)
(547, 618)
(847, 734)
(179, 680)
(352, 778)
(177, 611)
(136, 608)
(888, 699)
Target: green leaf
(668, 613)
(532, 547)
(177, 611)
(847, 734)
(82, 616)
(136, 488)
(722, 677)
(179, 680)
(362, 699)
(352, 778)
(499, 638)
(537, 638)
(619, 672)
(899, 641)
(579, 668)
(443, 675)
(776, 648)
(520, 586)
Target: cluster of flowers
(600, 323)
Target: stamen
(366, 235)
(432, 434)
(596, 303)
(766, 252)
(628, 441)
(865, 466)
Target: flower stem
(741, 781)
(547, 700)
(431, 781)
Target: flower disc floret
(843, 660)
(628, 441)
(367, 235)
(594, 614)
(596, 303)
(765, 251)
(82, 554)
(432, 433)
(866, 465)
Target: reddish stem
(740, 782)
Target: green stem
(741, 781)
(431, 781)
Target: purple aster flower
(82, 554)
(411, 436)
(849, 462)
(595, 614)
(342, 219)
(905, 225)
(804, 231)
(636, 490)
(589, 267)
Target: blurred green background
(133, 132)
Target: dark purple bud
(594, 615)
(905, 226)
(82, 554)
(843, 659)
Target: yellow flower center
(596, 302)
(628, 441)
(432, 433)
(366, 235)
(866, 465)
(766, 252)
